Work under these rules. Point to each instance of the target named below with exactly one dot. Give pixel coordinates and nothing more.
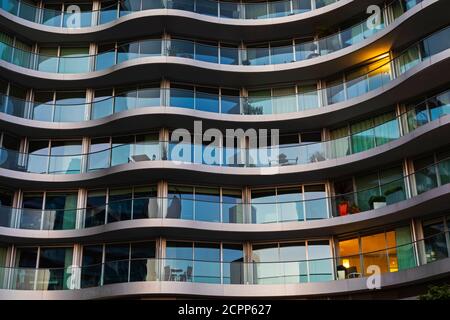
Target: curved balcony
(334, 103)
(230, 20)
(172, 57)
(399, 265)
(302, 159)
(314, 216)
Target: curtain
(409, 59)
(362, 136)
(386, 128)
(284, 100)
(308, 97)
(5, 46)
(405, 249)
(22, 55)
(339, 143)
(68, 272)
(3, 251)
(70, 211)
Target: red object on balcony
(343, 208)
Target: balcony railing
(223, 156)
(185, 207)
(379, 77)
(226, 55)
(389, 260)
(73, 18)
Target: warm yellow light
(346, 263)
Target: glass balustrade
(404, 256)
(313, 207)
(274, 156)
(77, 61)
(304, 99)
(81, 17)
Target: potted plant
(343, 208)
(376, 202)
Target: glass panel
(229, 54)
(102, 105)
(180, 203)
(145, 203)
(264, 207)
(143, 263)
(349, 263)
(367, 191)
(373, 248)
(178, 265)
(38, 152)
(95, 208)
(295, 269)
(74, 60)
(117, 262)
(48, 61)
(207, 52)
(53, 263)
(233, 266)
(266, 266)
(320, 261)
(26, 263)
(91, 271)
(232, 208)
(435, 242)
(65, 157)
(182, 96)
(259, 102)
(230, 101)
(70, 106)
(43, 106)
(207, 99)
(290, 204)
(31, 214)
(60, 211)
(393, 185)
(425, 174)
(207, 264)
(119, 205)
(316, 202)
(207, 204)
(99, 154)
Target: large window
(64, 59)
(42, 268)
(296, 203)
(118, 263)
(436, 238)
(48, 210)
(119, 204)
(59, 106)
(57, 157)
(107, 101)
(112, 151)
(6, 211)
(292, 262)
(390, 251)
(380, 188)
(432, 109)
(203, 262)
(205, 204)
(431, 171)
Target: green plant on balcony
(441, 292)
(376, 202)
